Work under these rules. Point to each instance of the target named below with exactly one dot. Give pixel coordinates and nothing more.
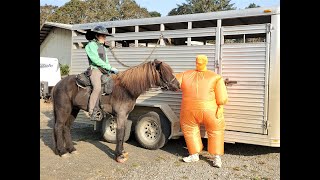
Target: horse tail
(54, 138)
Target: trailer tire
(150, 131)
(166, 130)
(109, 130)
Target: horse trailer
(243, 46)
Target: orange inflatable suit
(203, 95)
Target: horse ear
(157, 62)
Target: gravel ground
(96, 158)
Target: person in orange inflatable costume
(203, 96)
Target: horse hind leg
(66, 131)
(60, 121)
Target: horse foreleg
(121, 155)
(66, 131)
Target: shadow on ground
(79, 132)
(85, 132)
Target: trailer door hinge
(269, 27)
(265, 125)
(216, 63)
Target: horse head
(167, 79)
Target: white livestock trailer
(242, 45)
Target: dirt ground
(96, 158)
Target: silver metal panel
(250, 138)
(173, 99)
(181, 33)
(183, 18)
(180, 58)
(245, 29)
(246, 64)
(274, 80)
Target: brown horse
(68, 99)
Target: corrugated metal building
(56, 41)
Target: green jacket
(92, 52)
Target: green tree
(73, 12)
(181, 9)
(116, 10)
(252, 5)
(154, 14)
(78, 11)
(45, 13)
(64, 69)
(129, 9)
(202, 6)
(102, 10)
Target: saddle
(83, 80)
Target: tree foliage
(201, 6)
(86, 11)
(101, 10)
(181, 9)
(73, 12)
(45, 12)
(131, 10)
(252, 5)
(154, 14)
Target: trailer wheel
(166, 130)
(149, 131)
(109, 130)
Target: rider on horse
(99, 64)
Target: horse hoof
(74, 152)
(121, 159)
(125, 154)
(66, 155)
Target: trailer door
(244, 63)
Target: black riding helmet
(101, 30)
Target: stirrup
(97, 115)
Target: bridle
(166, 83)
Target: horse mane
(141, 78)
(165, 70)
